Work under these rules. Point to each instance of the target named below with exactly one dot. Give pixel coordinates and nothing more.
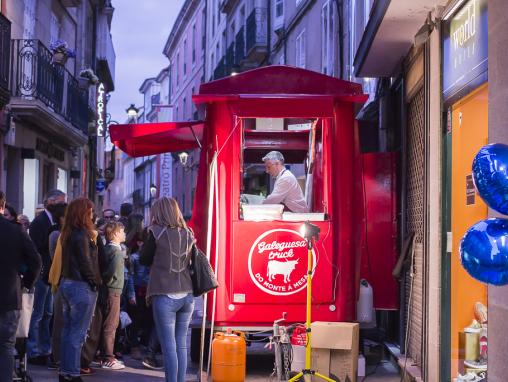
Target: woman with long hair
(167, 250)
(80, 278)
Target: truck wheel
(195, 345)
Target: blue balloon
(490, 172)
(484, 251)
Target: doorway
(469, 134)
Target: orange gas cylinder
(229, 353)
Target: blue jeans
(78, 304)
(39, 336)
(172, 318)
(8, 325)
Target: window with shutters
(177, 69)
(300, 50)
(194, 45)
(327, 38)
(184, 58)
(279, 13)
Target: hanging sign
(101, 109)
(465, 47)
(100, 184)
(165, 171)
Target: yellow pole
(309, 305)
(308, 348)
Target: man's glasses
(109, 217)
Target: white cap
(274, 156)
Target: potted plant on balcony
(61, 52)
(87, 77)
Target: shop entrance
(469, 134)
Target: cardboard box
(335, 349)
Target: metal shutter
(415, 221)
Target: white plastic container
(255, 212)
(298, 362)
(365, 305)
(361, 365)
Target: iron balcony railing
(220, 69)
(5, 47)
(35, 76)
(239, 46)
(77, 110)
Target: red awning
(139, 139)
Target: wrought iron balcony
(5, 45)
(240, 46)
(77, 105)
(256, 34)
(220, 69)
(35, 77)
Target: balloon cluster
(484, 247)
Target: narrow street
(259, 368)
(330, 176)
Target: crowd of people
(103, 287)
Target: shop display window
(469, 314)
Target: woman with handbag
(169, 291)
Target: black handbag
(202, 276)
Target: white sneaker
(113, 365)
(481, 364)
(468, 377)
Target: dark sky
(140, 29)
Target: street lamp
(183, 156)
(132, 113)
(153, 194)
(235, 70)
(153, 190)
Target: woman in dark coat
(80, 279)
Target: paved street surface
(259, 367)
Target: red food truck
(256, 250)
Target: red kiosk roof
(279, 81)
(140, 139)
(298, 89)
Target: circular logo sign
(278, 262)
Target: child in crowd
(114, 278)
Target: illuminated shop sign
(101, 110)
(465, 48)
